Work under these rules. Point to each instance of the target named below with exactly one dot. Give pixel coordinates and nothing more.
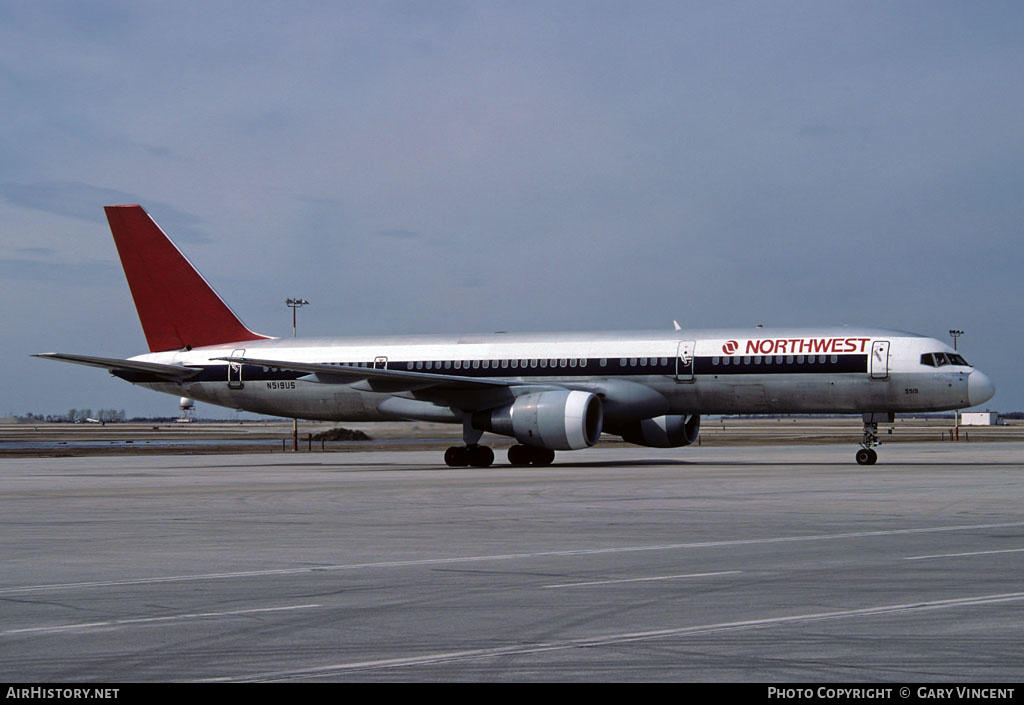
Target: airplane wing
(380, 380)
(173, 373)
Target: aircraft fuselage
(637, 375)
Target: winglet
(177, 307)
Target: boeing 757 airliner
(548, 391)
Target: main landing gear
(867, 455)
(530, 455)
(472, 453)
(476, 455)
(479, 456)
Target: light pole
(294, 304)
(956, 334)
(956, 412)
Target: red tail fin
(178, 309)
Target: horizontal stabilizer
(174, 373)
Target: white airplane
(548, 391)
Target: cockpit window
(941, 359)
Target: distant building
(979, 418)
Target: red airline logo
(798, 346)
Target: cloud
(85, 202)
(570, 165)
(101, 274)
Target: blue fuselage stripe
(593, 367)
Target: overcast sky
(477, 166)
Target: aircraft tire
(456, 457)
(480, 456)
(866, 456)
(542, 456)
(519, 455)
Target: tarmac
(775, 563)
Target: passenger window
(603, 362)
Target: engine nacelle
(672, 431)
(556, 420)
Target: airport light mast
(955, 334)
(294, 304)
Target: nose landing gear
(867, 455)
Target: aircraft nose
(979, 388)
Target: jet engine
(556, 420)
(671, 431)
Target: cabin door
(235, 371)
(879, 362)
(684, 361)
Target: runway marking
(150, 620)
(500, 557)
(644, 580)
(960, 555)
(620, 638)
